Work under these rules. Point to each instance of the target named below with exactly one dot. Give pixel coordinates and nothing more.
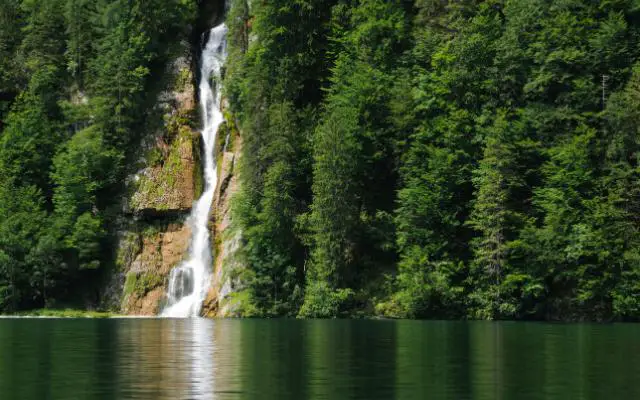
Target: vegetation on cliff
(78, 82)
(438, 159)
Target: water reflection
(256, 359)
(168, 358)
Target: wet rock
(147, 274)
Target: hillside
(393, 158)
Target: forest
(78, 81)
(441, 159)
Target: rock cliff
(226, 238)
(155, 236)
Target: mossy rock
(147, 281)
(180, 124)
(130, 283)
(184, 79)
(141, 283)
(163, 188)
(154, 157)
(130, 247)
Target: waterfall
(189, 281)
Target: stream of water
(189, 281)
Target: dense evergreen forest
(401, 158)
(439, 158)
(78, 80)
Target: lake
(336, 359)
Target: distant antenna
(605, 78)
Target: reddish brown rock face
(147, 275)
(161, 196)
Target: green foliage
(423, 159)
(81, 169)
(130, 283)
(323, 301)
(66, 313)
(80, 20)
(28, 142)
(76, 87)
(22, 216)
(461, 149)
(11, 18)
(274, 83)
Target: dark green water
(368, 360)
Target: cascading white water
(189, 281)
